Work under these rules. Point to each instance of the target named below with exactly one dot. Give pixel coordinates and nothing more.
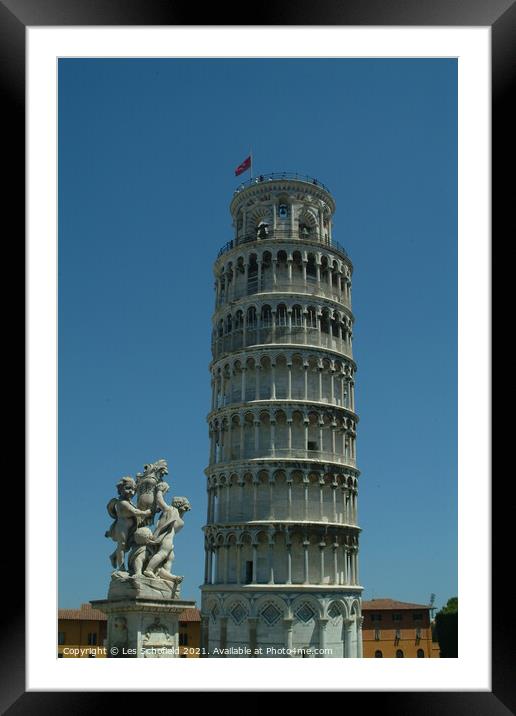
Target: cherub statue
(146, 484)
(126, 517)
(169, 524)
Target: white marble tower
(281, 538)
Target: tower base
(281, 622)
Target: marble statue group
(145, 532)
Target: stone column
(289, 386)
(255, 562)
(210, 565)
(246, 274)
(289, 497)
(242, 386)
(239, 563)
(273, 437)
(321, 498)
(288, 627)
(273, 380)
(289, 562)
(306, 544)
(241, 483)
(306, 483)
(205, 636)
(345, 562)
(334, 547)
(348, 630)
(228, 451)
(252, 622)
(256, 424)
(322, 636)
(222, 390)
(271, 559)
(213, 394)
(206, 564)
(305, 366)
(226, 564)
(320, 369)
(360, 645)
(257, 370)
(228, 498)
(216, 552)
(289, 435)
(322, 547)
(271, 497)
(242, 439)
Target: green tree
(446, 624)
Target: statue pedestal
(143, 617)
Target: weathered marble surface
(148, 546)
(125, 586)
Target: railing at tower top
(274, 176)
(268, 234)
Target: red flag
(246, 164)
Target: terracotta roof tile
(190, 615)
(377, 604)
(86, 611)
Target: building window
(420, 654)
(378, 654)
(396, 617)
(92, 638)
(399, 654)
(417, 616)
(183, 638)
(376, 617)
(377, 635)
(283, 211)
(61, 637)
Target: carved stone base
(139, 627)
(124, 586)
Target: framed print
(141, 129)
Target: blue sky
(147, 151)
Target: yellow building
(82, 632)
(393, 629)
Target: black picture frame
(500, 16)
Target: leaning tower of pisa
(281, 537)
